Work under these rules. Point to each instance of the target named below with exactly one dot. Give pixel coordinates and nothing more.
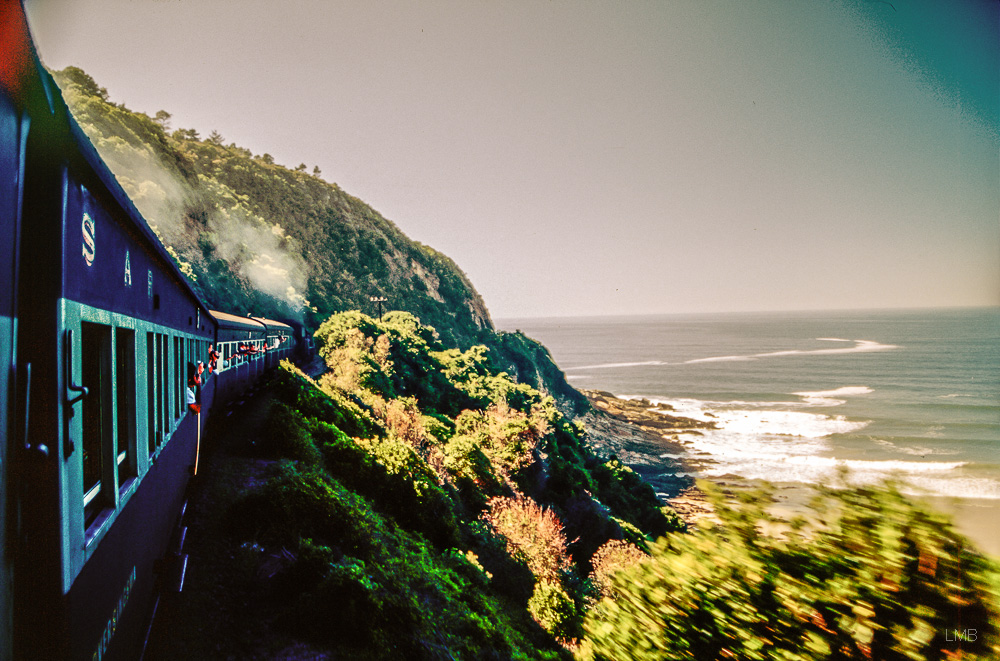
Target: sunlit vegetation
(436, 508)
(429, 498)
(413, 495)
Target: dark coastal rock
(643, 413)
(644, 437)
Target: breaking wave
(604, 366)
(781, 442)
(860, 346)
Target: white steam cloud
(255, 248)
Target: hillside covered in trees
(255, 236)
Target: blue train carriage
(279, 342)
(16, 68)
(240, 343)
(106, 325)
(304, 349)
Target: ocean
(912, 395)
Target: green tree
(162, 117)
(186, 134)
(84, 82)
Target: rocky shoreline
(645, 437)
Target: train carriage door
(152, 362)
(13, 131)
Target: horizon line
(747, 312)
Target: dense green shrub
(392, 357)
(632, 499)
(553, 609)
(472, 472)
(531, 362)
(507, 436)
(473, 373)
(339, 604)
(329, 405)
(297, 502)
(438, 426)
(284, 434)
(396, 481)
(420, 502)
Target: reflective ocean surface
(910, 394)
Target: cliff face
(257, 236)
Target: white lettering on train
(109, 628)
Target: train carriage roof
(274, 324)
(235, 322)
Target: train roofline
(273, 324)
(230, 321)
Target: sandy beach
(976, 518)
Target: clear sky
(580, 158)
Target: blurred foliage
(870, 576)
(613, 557)
(554, 610)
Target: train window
(178, 377)
(160, 395)
(151, 363)
(95, 354)
(125, 400)
(163, 387)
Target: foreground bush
(881, 579)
